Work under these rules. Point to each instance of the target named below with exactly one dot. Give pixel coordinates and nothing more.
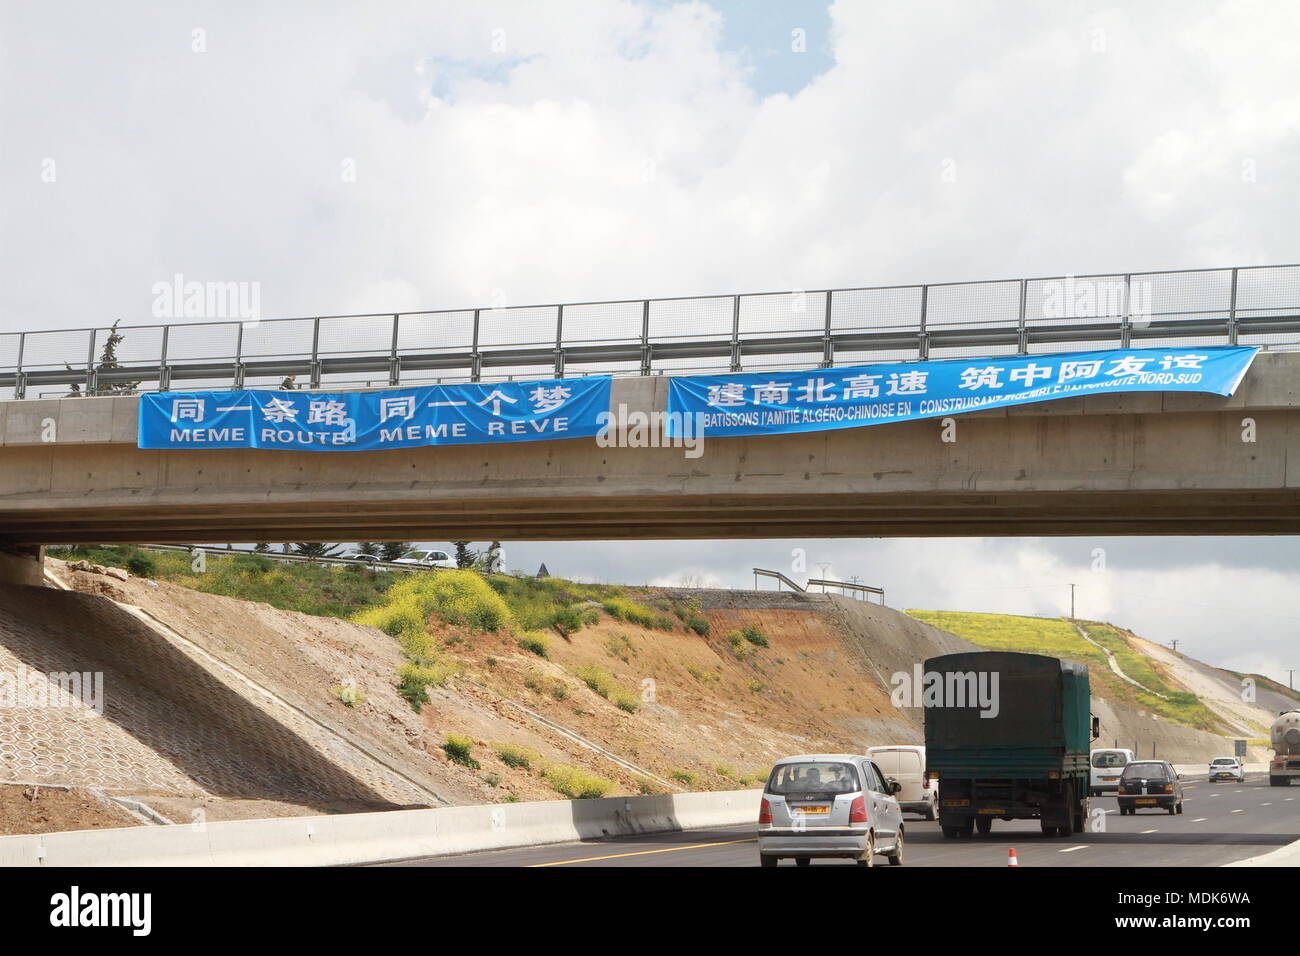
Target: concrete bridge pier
(22, 564)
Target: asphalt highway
(1220, 823)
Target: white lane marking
(1151, 831)
(1213, 795)
(1071, 849)
(1200, 820)
(1235, 811)
(1266, 804)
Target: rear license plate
(956, 803)
(1223, 775)
(1145, 800)
(813, 809)
(1109, 779)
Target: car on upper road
(1107, 764)
(906, 764)
(1227, 768)
(427, 559)
(358, 556)
(1149, 785)
(829, 805)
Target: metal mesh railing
(1248, 305)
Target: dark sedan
(1149, 785)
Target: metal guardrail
(300, 558)
(847, 586)
(764, 572)
(1249, 305)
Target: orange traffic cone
(1011, 860)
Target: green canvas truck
(1019, 751)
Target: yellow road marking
(615, 856)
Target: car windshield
(1221, 761)
(1108, 758)
(799, 779)
(1149, 771)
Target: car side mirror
(894, 787)
(1096, 727)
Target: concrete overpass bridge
(1146, 463)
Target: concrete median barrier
(347, 839)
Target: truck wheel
(930, 813)
(802, 861)
(984, 825)
(765, 861)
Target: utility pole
(1289, 676)
(1071, 602)
(1174, 644)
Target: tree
(465, 557)
(489, 561)
(368, 547)
(392, 550)
(314, 549)
(107, 362)
(261, 547)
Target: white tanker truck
(1285, 739)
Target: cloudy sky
(383, 156)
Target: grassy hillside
(321, 589)
(1055, 637)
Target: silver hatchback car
(829, 805)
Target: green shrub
(536, 642)
(619, 646)
(515, 757)
(648, 787)
(348, 694)
(755, 637)
(414, 679)
(457, 597)
(704, 677)
(566, 621)
(625, 609)
(683, 777)
(141, 565)
(598, 680)
(576, 784)
(698, 624)
(458, 748)
(625, 700)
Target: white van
(906, 764)
(1107, 764)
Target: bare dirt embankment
(233, 709)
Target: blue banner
(366, 421)
(769, 403)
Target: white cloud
(617, 150)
